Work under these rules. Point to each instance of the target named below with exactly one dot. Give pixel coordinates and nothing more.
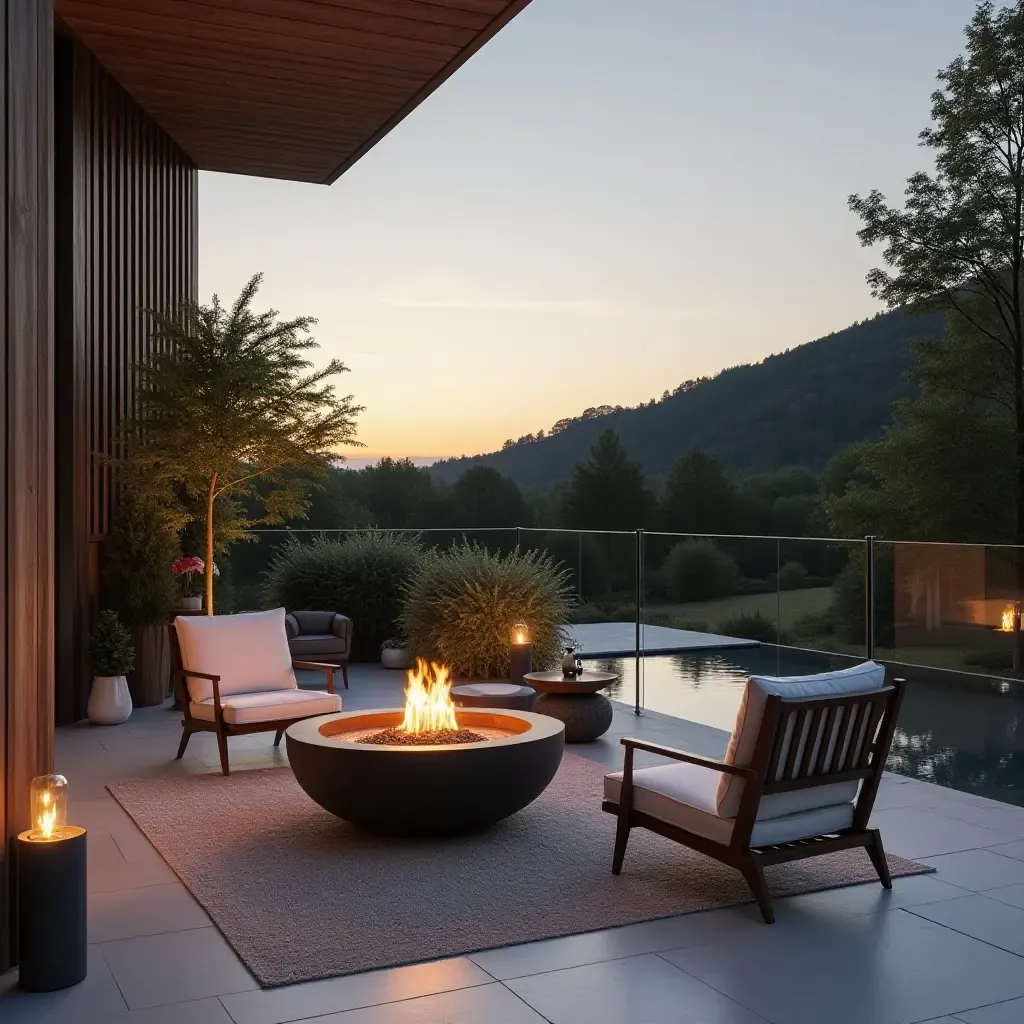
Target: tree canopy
(957, 243)
(698, 497)
(607, 490)
(229, 398)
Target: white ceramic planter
(110, 702)
(396, 657)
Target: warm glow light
(48, 807)
(428, 702)
(1008, 618)
(520, 633)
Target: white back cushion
(249, 652)
(859, 679)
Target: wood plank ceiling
(296, 89)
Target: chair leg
(754, 874)
(222, 747)
(344, 673)
(277, 738)
(186, 735)
(621, 838)
(877, 854)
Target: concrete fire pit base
(425, 790)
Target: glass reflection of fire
(1009, 618)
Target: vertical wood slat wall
(26, 424)
(132, 222)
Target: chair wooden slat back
(821, 742)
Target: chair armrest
(184, 673)
(682, 755)
(319, 666)
(341, 627)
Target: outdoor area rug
(301, 895)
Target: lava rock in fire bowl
(412, 789)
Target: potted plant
(139, 585)
(110, 701)
(187, 570)
(395, 653)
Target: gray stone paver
(136, 896)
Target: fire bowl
(425, 790)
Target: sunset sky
(611, 197)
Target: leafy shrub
(603, 611)
(750, 627)
(461, 605)
(363, 577)
(137, 580)
(111, 649)
(848, 598)
(815, 628)
(658, 619)
(992, 661)
(698, 571)
(792, 576)
(585, 559)
(752, 585)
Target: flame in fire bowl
(438, 789)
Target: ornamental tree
(228, 400)
(958, 242)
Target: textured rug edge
(900, 867)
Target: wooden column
(126, 230)
(26, 428)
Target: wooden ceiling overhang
(295, 89)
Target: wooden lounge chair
(788, 786)
(233, 674)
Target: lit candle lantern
(520, 653)
(51, 892)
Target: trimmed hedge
(363, 577)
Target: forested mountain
(792, 409)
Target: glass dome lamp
(48, 807)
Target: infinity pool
(966, 733)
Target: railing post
(638, 667)
(519, 538)
(579, 567)
(869, 597)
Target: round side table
(574, 701)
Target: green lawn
(793, 604)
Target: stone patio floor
(944, 948)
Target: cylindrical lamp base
(520, 661)
(51, 911)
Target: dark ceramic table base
(585, 715)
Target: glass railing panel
(947, 618)
(821, 597)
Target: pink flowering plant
(187, 569)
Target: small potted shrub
(139, 585)
(110, 701)
(395, 653)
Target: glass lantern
(520, 633)
(49, 807)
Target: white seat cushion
(685, 795)
(249, 652)
(269, 706)
(861, 678)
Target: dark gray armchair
(320, 636)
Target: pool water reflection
(957, 731)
